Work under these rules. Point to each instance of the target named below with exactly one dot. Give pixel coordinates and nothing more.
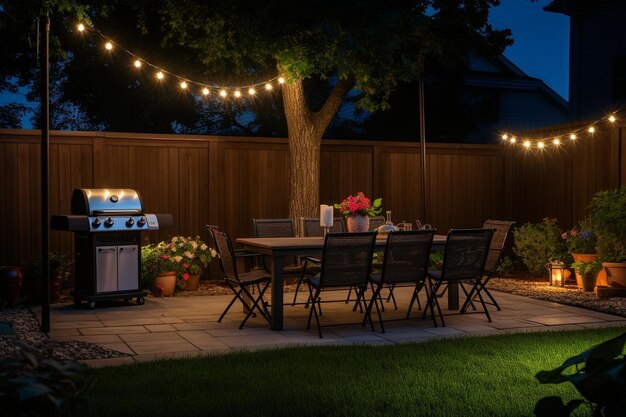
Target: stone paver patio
(187, 326)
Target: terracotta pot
(588, 257)
(358, 223)
(192, 283)
(10, 284)
(589, 281)
(615, 274)
(164, 285)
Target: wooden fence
(230, 180)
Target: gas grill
(107, 226)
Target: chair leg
(295, 295)
(314, 310)
(493, 300)
(482, 301)
(255, 304)
(468, 298)
(227, 308)
(414, 297)
(349, 294)
(237, 296)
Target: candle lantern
(556, 271)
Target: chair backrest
(466, 253)
(347, 259)
(311, 227)
(376, 222)
(497, 241)
(275, 228)
(225, 252)
(406, 256)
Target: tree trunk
(305, 130)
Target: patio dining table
(279, 247)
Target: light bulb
(160, 75)
(572, 136)
(556, 141)
(80, 27)
(108, 46)
(505, 136)
(281, 80)
(540, 145)
(223, 93)
(251, 91)
(591, 129)
(612, 119)
(183, 85)
(527, 144)
(205, 91)
(137, 64)
(268, 86)
(237, 93)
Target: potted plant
(358, 209)
(588, 272)
(538, 244)
(60, 273)
(608, 214)
(193, 257)
(581, 243)
(159, 269)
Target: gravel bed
(24, 328)
(569, 295)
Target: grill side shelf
(69, 223)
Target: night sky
(541, 47)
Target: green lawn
(478, 376)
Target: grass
(473, 376)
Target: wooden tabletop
(307, 242)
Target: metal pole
(44, 69)
(423, 149)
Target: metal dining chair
(494, 259)
(407, 254)
(346, 262)
(463, 262)
(241, 284)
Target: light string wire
(205, 88)
(557, 140)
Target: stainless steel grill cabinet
(107, 225)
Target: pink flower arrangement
(359, 204)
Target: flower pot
(192, 283)
(164, 285)
(10, 284)
(588, 257)
(358, 223)
(589, 281)
(615, 274)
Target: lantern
(556, 271)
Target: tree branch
(323, 117)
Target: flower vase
(192, 282)
(589, 281)
(164, 285)
(358, 223)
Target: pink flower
(573, 232)
(164, 257)
(185, 265)
(185, 276)
(564, 235)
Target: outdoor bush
(608, 215)
(31, 386)
(505, 267)
(537, 244)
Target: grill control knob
(130, 222)
(96, 222)
(108, 222)
(141, 222)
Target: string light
(184, 83)
(543, 143)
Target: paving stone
(150, 337)
(161, 346)
(113, 330)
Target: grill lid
(106, 201)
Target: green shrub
(537, 244)
(608, 215)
